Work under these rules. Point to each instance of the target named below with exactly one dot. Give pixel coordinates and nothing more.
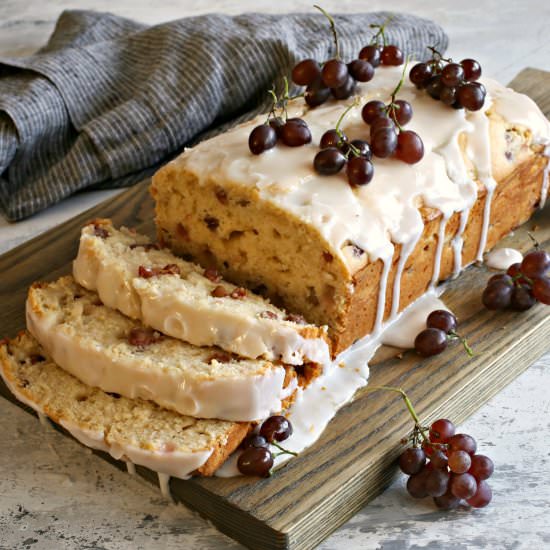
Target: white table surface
(55, 495)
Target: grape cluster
(387, 137)
(257, 458)
(338, 79)
(522, 286)
(446, 467)
(293, 132)
(338, 151)
(455, 84)
(441, 329)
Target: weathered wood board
(354, 459)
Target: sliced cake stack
(154, 359)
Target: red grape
(447, 501)
(472, 96)
(382, 121)
(482, 467)
(371, 54)
(441, 430)
(401, 112)
(434, 87)
(391, 55)
(372, 110)
(462, 442)
(437, 482)
(331, 138)
(443, 320)
(277, 124)
(262, 138)
(276, 428)
(361, 70)
(503, 277)
(541, 290)
(459, 462)
(463, 485)
(439, 459)
(472, 69)
(410, 148)
(452, 74)
(359, 171)
(295, 134)
(306, 72)
(255, 461)
(329, 161)
(412, 460)
(334, 73)
(522, 299)
(482, 496)
(416, 484)
(420, 74)
(430, 341)
(448, 95)
(361, 146)
(535, 264)
(383, 142)
(316, 94)
(255, 440)
(497, 295)
(346, 90)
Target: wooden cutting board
(354, 460)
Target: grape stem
(454, 336)
(417, 426)
(381, 31)
(533, 238)
(352, 148)
(283, 450)
(280, 101)
(333, 30)
(392, 107)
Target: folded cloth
(108, 99)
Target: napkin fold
(108, 100)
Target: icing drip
(382, 294)
(44, 420)
(164, 485)
(131, 467)
(503, 258)
(439, 250)
(458, 242)
(545, 177)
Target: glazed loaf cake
(132, 430)
(105, 349)
(351, 257)
(185, 301)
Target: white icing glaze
(316, 405)
(545, 178)
(164, 486)
(131, 468)
(44, 420)
(439, 250)
(457, 242)
(503, 258)
(230, 398)
(183, 308)
(402, 332)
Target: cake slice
(185, 301)
(132, 430)
(105, 349)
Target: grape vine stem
(332, 28)
(409, 406)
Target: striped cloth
(107, 100)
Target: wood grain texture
(354, 459)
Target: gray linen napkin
(107, 100)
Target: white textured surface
(55, 495)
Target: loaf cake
(351, 257)
(105, 349)
(128, 429)
(183, 300)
